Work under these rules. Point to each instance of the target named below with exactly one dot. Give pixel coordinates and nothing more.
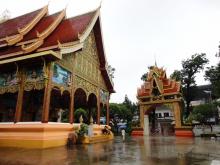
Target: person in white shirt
(123, 134)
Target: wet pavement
(137, 150)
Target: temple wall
(86, 67)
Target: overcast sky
(136, 32)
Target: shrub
(83, 130)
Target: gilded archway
(156, 90)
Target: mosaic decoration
(35, 78)
(35, 74)
(9, 82)
(61, 76)
(8, 79)
(103, 96)
(86, 85)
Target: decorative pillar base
(184, 131)
(34, 135)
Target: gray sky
(136, 32)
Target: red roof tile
(10, 27)
(41, 26)
(68, 30)
(169, 86)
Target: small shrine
(50, 66)
(158, 90)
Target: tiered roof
(37, 33)
(157, 79)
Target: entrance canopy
(157, 88)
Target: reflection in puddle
(139, 150)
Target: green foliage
(65, 116)
(144, 77)
(190, 67)
(79, 112)
(203, 112)
(124, 111)
(111, 71)
(213, 75)
(83, 130)
(176, 75)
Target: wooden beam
(47, 94)
(71, 113)
(15, 59)
(98, 106)
(107, 110)
(19, 103)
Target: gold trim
(15, 39)
(41, 36)
(90, 26)
(160, 101)
(32, 47)
(51, 28)
(26, 42)
(50, 52)
(18, 37)
(11, 54)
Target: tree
(123, 111)
(213, 75)
(204, 112)
(176, 75)
(5, 15)
(190, 67)
(144, 77)
(111, 71)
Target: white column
(146, 125)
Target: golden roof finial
(155, 64)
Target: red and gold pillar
(19, 103)
(98, 107)
(47, 94)
(107, 110)
(71, 114)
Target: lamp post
(210, 100)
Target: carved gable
(87, 65)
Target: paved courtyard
(138, 150)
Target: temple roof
(14, 29)
(157, 80)
(37, 32)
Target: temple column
(141, 107)
(107, 111)
(177, 114)
(98, 107)
(19, 103)
(47, 94)
(146, 125)
(71, 114)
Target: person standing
(123, 134)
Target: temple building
(160, 94)
(50, 66)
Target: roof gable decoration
(41, 36)
(157, 84)
(76, 45)
(11, 40)
(66, 35)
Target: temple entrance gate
(156, 90)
